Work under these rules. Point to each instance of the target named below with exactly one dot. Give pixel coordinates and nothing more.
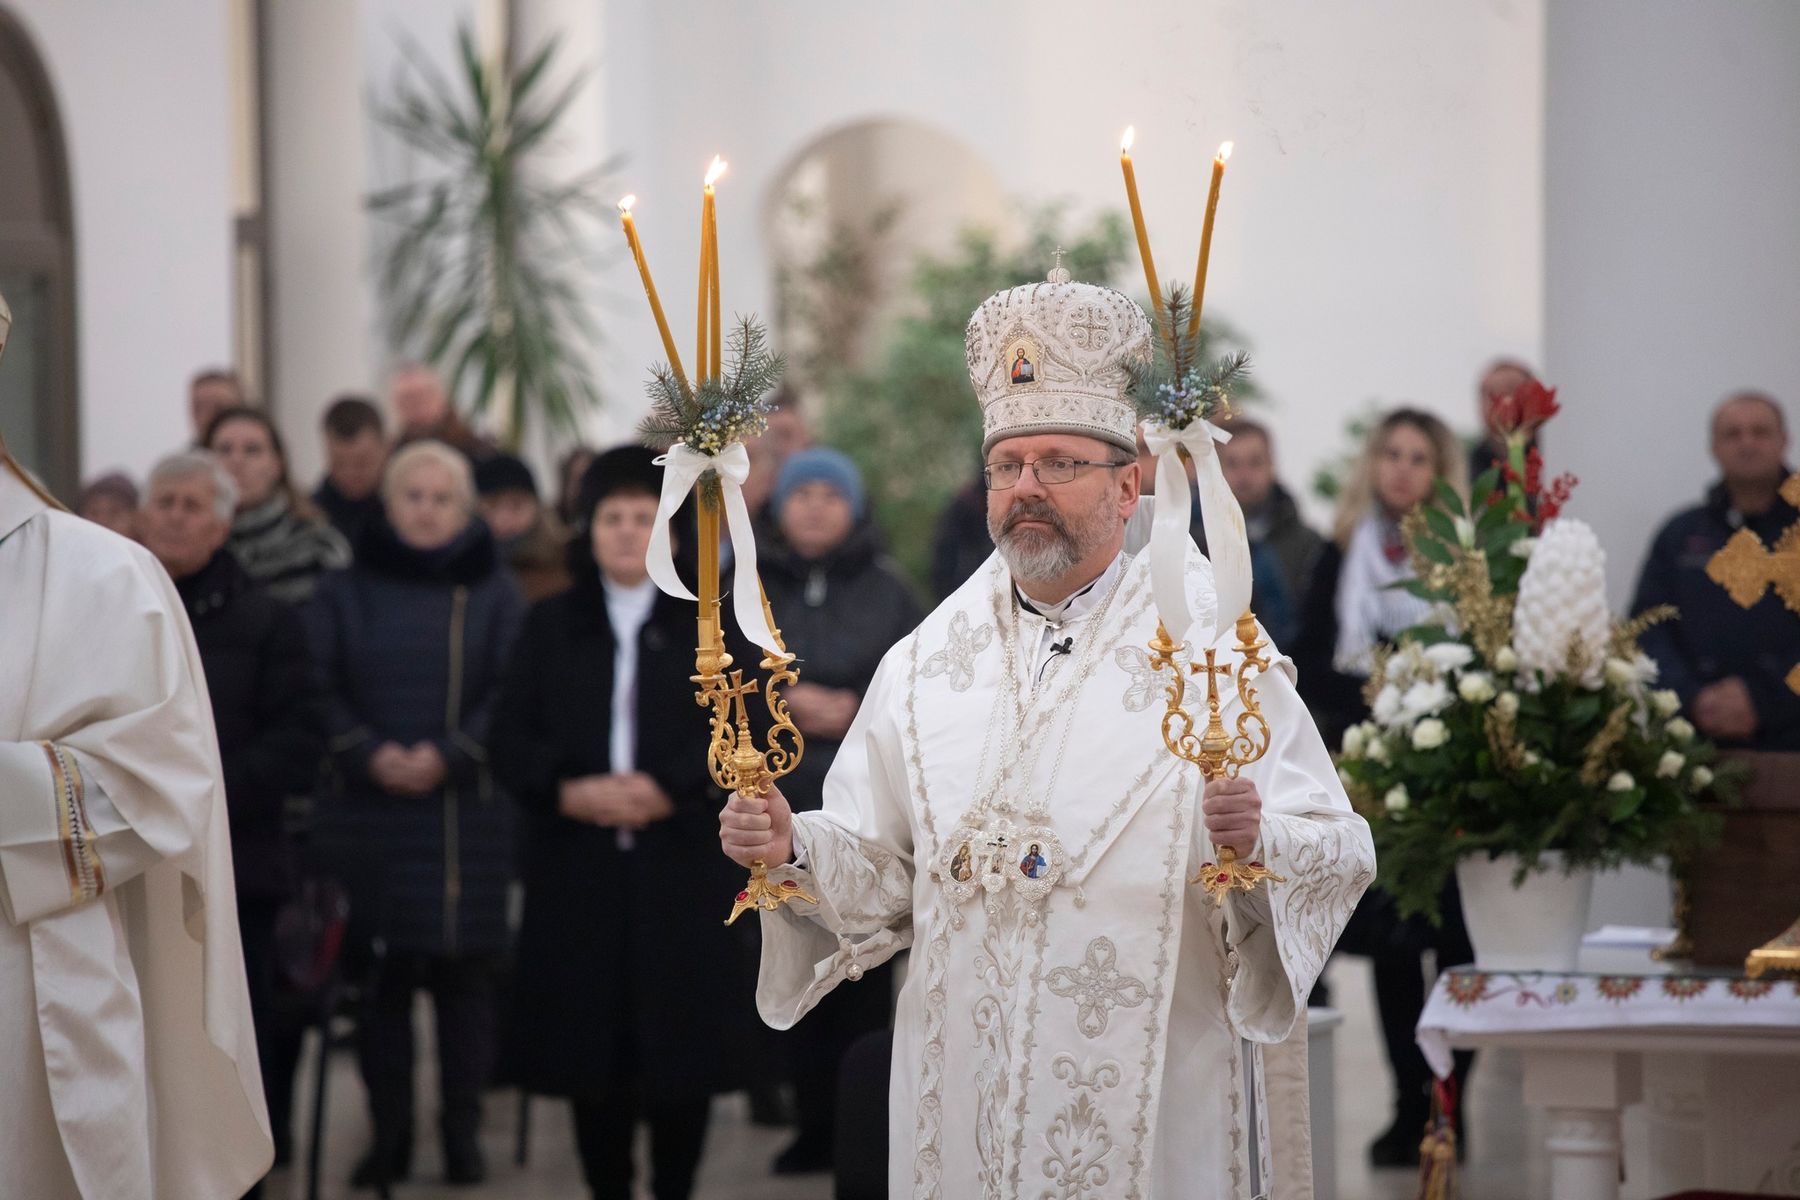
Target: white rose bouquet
(1520, 718)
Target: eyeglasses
(1003, 475)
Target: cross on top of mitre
(1747, 569)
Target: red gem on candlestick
(789, 885)
(1223, 877)
(743, 896)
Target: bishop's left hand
(1233, 812)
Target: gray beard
(1044, 555)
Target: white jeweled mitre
(1057, 357)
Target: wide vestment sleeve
(109, 750)
(856, 857)
(1281, 935)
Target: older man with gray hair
(266, 707)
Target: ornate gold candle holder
(1218, 752)
(733, 758)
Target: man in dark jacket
(840, 605)
(1270, 513)
(1729, 665)
(356, 451)
(1271, 596)
(266, 710)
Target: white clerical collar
(1079, 603)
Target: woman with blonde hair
(410, 643)
(1353, 609)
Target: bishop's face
(1048, 530)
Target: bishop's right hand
(753, 827)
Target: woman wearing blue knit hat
(841, 604)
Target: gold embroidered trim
(80, 859)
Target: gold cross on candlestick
(1218, 752)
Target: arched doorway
(38, 398)
(846, 220)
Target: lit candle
(662, 322)
(1137, 219)
(717, 327)
(1212, 206)
(702, 352)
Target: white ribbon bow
(682, 467)
(1227, 541)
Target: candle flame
(625, 202)
(713, 172)
(1224, 150)
(1130, 137)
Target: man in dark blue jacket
(1729, 665)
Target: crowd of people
(439, 688)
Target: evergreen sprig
(720, 411)
(1180, 387)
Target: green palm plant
(481, 274)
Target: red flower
(1536, 404)
(1522, 412)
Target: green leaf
(1419, 588)
(1626, 803)
(1434, 551)
(1442, 524)
(1484, 486)
(1446, 496)
(1583, 710)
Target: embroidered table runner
(1467, 1001)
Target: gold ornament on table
(1782, 954)
(704, 425)
(1220, 753)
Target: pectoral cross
(997, 846)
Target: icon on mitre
(1023, 369)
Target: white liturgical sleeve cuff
(62, 841)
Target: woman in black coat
(625, 990)
(411, 642)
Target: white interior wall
(1380, 231)
(1672, 244)
(144, 92)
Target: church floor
(1506, 1161)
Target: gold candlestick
(733, 757)
(1218, 752)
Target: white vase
(1534, 927)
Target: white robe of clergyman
(125, 1033)
(1112, 1043)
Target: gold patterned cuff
(80, 858)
